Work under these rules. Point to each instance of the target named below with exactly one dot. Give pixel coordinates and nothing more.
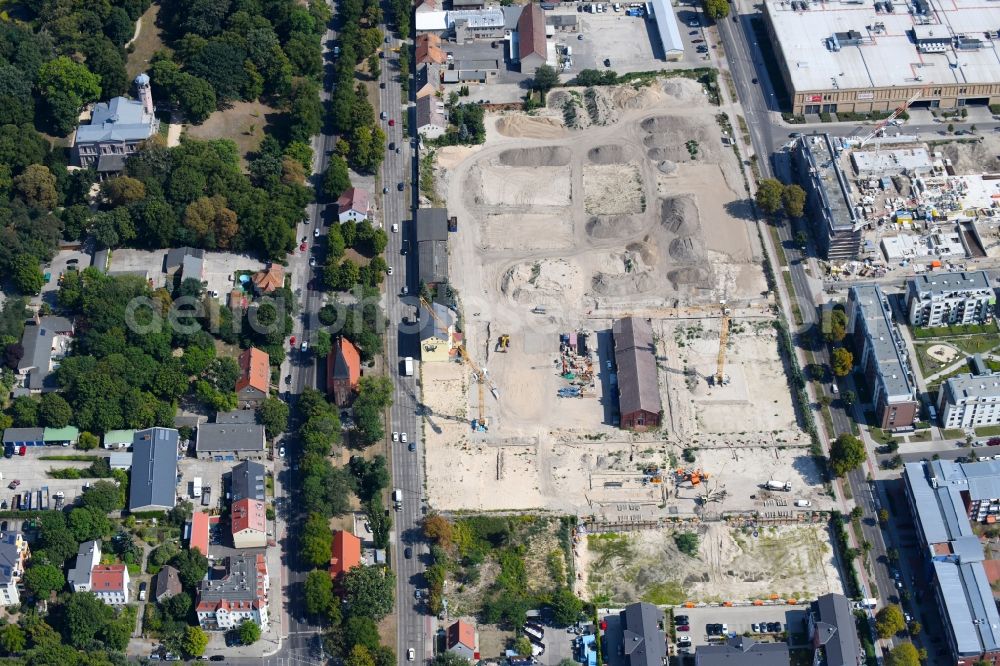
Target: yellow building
(437, 333)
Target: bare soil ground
(244, 122)
(146, 44)
(793, 562)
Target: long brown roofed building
(532, 48)
(638, 382)
(343, 370)
(429, 49)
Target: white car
(316, 233)
(684, 639)
(304, 347)
(281, 452)
(395, 436)
(389, 270)
(402, 437)
(312, 261)
(395, 228)
(411, 655)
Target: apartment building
(234, 593)
(942, 299)
(13, 554)
(970, 401)
(881, 354)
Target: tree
(12, 639)
(454, 659)
(26, 274)
(191, 566)
(846, 453)
(903, 654)
(87, 524)
(769, 195)
(370, 591)
(322, 344)
(85, 616)
(522, 645)
(889, 621)
(195, 641)
(249, 632)
(43, 579)
(438, 529)
(545, 79)
(38, 186)
(178, 606)
(794, 199)
(87, 441)
(849, 398)
(315, 541)
(17, 105)
(54, 411)
(843, 361)
(66, 86)
(337, 178)
(838, 325)
(717, 9)
(273, 416)
(318, 592)
(567, 606)
(687, 543)
(24, 410)
(123, 190)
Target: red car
(392, 122)
(683, 627)
(302, 247)
(21, 451)
(14, 484)
(292, 340)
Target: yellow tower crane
(481, 377)
(720, 376)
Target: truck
(778, 485)
(196, 487)
(802, 503)
(408, 366)
(397, 499)
(206, 496)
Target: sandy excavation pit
(510, 186)
(534, 230)
(613, 189)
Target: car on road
(683, 639)
(395, 436)
(385, 190)
(406, 290)
(755, 628)
(753, 80)
(392, 145)
(381, 84)
(395, 227)
(383, 115)
(579, 38)
(14, 484)
(23, 450)
(142, 591)
(402, 438)
(607, 62)
(304, 347)
(680, 619)
(697, 41)
(401, 187)
(412, 447)
(392, 122)
(397, 150)
(312, 261)
(388, 271)
(291, 341)
(281, 452)
(387, 39)
(683, 627)
(217, 657)
(693, 32)
(417, 594)
(407, 552)
(316, 233)
(410, 654)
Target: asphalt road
(413, 628)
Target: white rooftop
(892, 161)
(887, 55)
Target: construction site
(564, 233)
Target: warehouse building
(945, 498)
(881, 354)
(638, 380)
(432, 245)
(860, 57)
(667, 29)
(943, 299)
(153, 484)
(836, 226)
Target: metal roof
(431, 327)
(432, 224)
(87, 557)
(666, 26)
(638, 382)
(430, 113)
(17, 435)
(837, 631)
(960, 387)
(10, 558)
(237, 416)
(432, 261)
(947, 284)
(121, 119)
(744, 652)
(969, 606)
(153, 483)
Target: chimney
(145, 93)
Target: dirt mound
(700, 275)
(543, 283)
(680, 215)
(657, 155)
(605, 284)
(686, 248)
(602, 227)
(642, 252)
(610, 154)
(531, 127)
(659, 124)
(666, 167)
(535, 157)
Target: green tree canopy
(545, 79)
(370, 591)
(769, 194)
(843, 361)
(249, 632)
(195, 641)
(54, 411)
(315, 541)
(889, 621)
(846, 453)
(793, 198)
(43, 579)
(318, 592)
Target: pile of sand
(531, 127)
(613, 189)
(698, 275)
(686, 248)
(679, 215)
(666, 167)
(602, 227)
(609, 154)
(550, 156)
(605, 284)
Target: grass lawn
(921, 436)
(928, 365)
(948, 331)
(988, 431)
(243, 122)
(879, 435)
(146, 44)
(953, 433)
(976, 344)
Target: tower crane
(482, 378)
(720, 376)
(895, 114)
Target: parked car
(142, 591)
(412, 447)
(680, 619)
(407, 552)
(402, 437)
(281, 452)
(395, 436)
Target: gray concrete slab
(32, 472)
(739, 620)
(220, 268)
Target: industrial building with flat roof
(836, 226)
(941, 299)
(860, 57)
(880, 353)
(153, 483)
(945, 497)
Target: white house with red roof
(353, 205)
(234, 593)
(249, 523)
(109, 583)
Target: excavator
(502, 343)
(692, 476)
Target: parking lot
(211, 473)
(67, 258)
(740, 620)
(32, 473)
